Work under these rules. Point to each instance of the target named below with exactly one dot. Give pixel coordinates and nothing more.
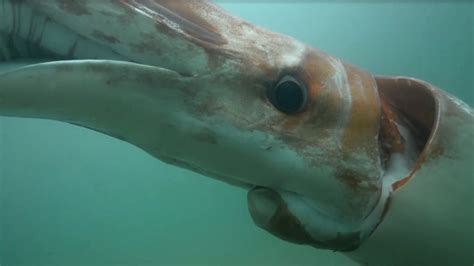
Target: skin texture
(441, 231)
(189, 84)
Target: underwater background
(70, 196)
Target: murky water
(70, 196)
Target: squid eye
(289, 95)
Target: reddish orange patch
(364, 122)
(313, 71)
(417, 102)
(389, 129)
(390, 138)
(401, 183)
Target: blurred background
(70, 196)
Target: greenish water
(70, 196)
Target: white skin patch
(342, 86)
(294, 57)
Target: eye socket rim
(303, 89)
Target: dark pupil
(289, 97)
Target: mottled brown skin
(257, 59)
(258, 73)
(184, 12)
